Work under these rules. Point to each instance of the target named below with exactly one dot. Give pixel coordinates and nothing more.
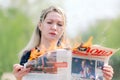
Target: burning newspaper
(52, 65)
(88, 61)
(83, 62)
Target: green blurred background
(17, 24)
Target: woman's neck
(47, 45)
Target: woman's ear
(40, 25)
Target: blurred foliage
(16, 27)
(106, 33)
(15, 30)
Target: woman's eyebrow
(53, 20)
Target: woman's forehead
(55, 15)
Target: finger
(108, 76)
(24, 71)
(108, 69)
(108, 66)
(17, 67)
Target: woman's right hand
(19, 71)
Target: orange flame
(35, 53)
(76, 45)
(84, 45)
(88, 43)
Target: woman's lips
(52, 33)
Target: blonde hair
(36, 36)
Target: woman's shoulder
(25, 57)
(26, 53)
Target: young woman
(49, 32)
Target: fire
(88, 43)
(83, 45)
(35, 53)
(76, 45)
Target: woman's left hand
(108, 72)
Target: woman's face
(52, 27)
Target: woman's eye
(59, 24)
(49, 22)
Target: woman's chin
(53, 39)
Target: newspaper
(88, 62)
(80, 63)
(53, 65)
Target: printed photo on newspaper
(52, 65)
(88, 62)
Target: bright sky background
(82, 13)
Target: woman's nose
(54, 26)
